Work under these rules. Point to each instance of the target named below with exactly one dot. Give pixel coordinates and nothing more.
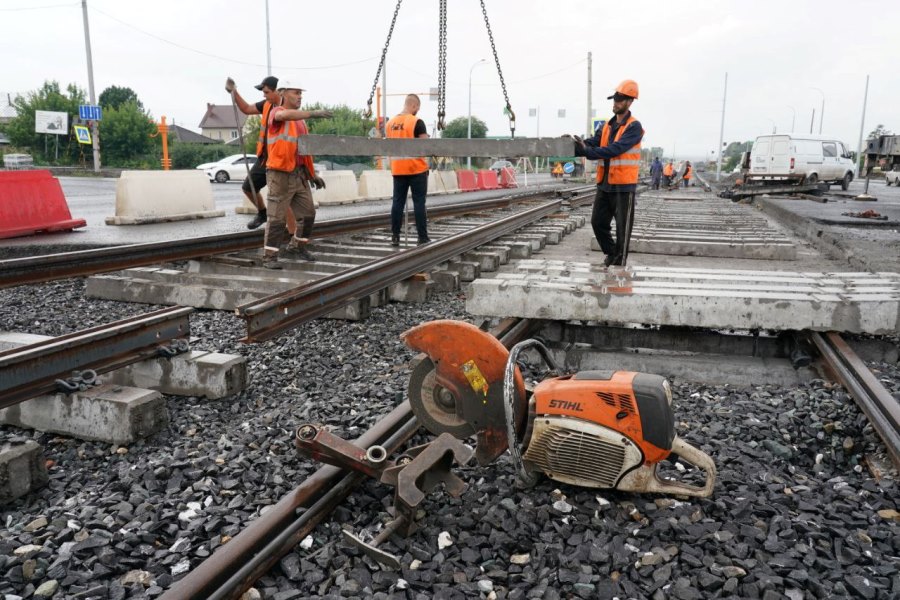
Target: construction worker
(688, 173)
(257, 176)
(656, 170)
(409, 173)
(668, 173)
(618, 150)
(289, 175)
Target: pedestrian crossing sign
(83, 134)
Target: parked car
(892, 177)
(230, 167)
(808, 158)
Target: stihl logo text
(566, 405)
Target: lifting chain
(442, 64)
(508, 110)
(387, 42)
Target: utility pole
(590, 112)
(722, 129)
(862, 123)
(812, 120)
(95, 133)
(268, 42)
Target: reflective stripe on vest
(623, 169)
(264, 119)
(281, 142)
(404, 126)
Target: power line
(20, 8)
(223, 58)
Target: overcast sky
(176, 56)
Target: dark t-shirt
(420, 128)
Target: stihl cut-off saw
(592, 428)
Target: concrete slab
(712, 298)
(414, 289)
(711, 248)
(109, 413)
(212, 375)
(445, 280)
(22, 470)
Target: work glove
(318, 182)
(229, 85)
(579, 145)
(321, 114)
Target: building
(186, 136)
(219, 124)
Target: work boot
(271, 262)
(260, 218)
(299, 251)
(610, 259)
(423, 241)
(395, 239)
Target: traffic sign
(88, 112)
(83, 134)
(597, 124)
(569, 168)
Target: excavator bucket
(458, 388)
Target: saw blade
(434, 405)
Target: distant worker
(618, 150)
(257, 176)
(668, 173)
(688, 173)
(289, 175)
(656, 170)
(409, 173)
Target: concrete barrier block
(376, 184)
(108, 413)
(212, 375)
(341, 187)
(22, 470)
(447, 182)
(160, 196)
(247, 207)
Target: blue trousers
(418, 183)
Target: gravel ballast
(796, 511)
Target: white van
(807, 158)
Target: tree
(459, 128)
(48, 97)
(878, 132)
(115, 96)
(125, 132)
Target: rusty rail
(278, 313)
(234, 567)
(37, 269)
(876, 402)
(39, 368)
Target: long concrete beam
(342, 145)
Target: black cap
(270, 82)
(617, 96)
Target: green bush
(188, 156)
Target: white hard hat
(289, 84)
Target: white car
(230, 167)
(892, 177)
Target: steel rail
(37, 269)
(33, 370)
(234, 567)
(876, 402)
(276, 314)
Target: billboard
(46, 121)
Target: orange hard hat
(629, 88)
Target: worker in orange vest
(668, 173)
(289, 176)
(688, 173)
(409, 173)
(617, 147)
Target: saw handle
(694, 456)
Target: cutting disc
(434, 405)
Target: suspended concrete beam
(341, 145)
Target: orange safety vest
(687, 173)
(404, 126)
(261, 140)
(669, 170)
(281, 142)
(623, 169)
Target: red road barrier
(487, 180)
(508, 178)
(33, 202)
(466, 181)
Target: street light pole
(722, 129)
(95, 134)
(469, 131)
(821, 112)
